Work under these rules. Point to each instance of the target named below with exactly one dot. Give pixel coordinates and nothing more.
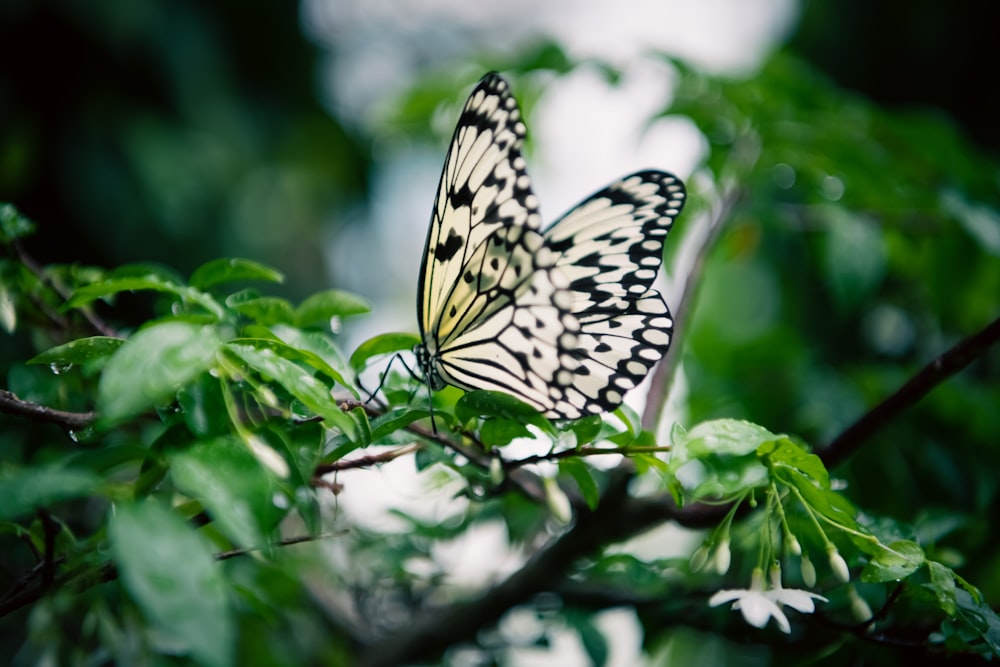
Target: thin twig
(95, 322)
(526, 482)
(108, 571)
(581, 451)
(367, 461)
(930, 376)
(12, 405)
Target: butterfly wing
(493, 311)
(610, 248)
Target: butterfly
(563, 318)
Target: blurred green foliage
(857, 244)
(172, 132)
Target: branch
(366, 461)
(579, 452)
(528, 483)
(108, 571)
(95, 322)
(930, 376)
(432, 632)
(12, 405)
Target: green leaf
(896, 561)
(13, 225)
(169, 570)
(104, 459)
(783, 453)
(325, 350)
(141, 277)
(218, 271)
(229, 481)
(584, 478)
(586, 429)
(266, 310)
(593, 640)
(830, 504)
(942, 586)
(320, 308)
(498, 404)
(725, 478)
(150, 367)
(203, 407)
(855, 255)
(80, 351)
(496, 432)
(393, 420)
(382, 344)
(296, 381)
(718, 458)
(293, 353)
(26, 490)
(730, 437)
(981, 223)
(979, 617)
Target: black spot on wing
(445, 251)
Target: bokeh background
(310, 136)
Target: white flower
(758, 605)
(799, 600)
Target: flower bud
(698, 558)
(794, 546)
(496, 471)
(808, 571)
(775, 574)
(859, 607)
(723, 556)
(838, 564)
(557, 501)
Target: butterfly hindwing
(610, 248)
(565, 319)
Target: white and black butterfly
(565, 318)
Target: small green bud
(808, 571)
(557, 501)
(723, 556)
(859, 607)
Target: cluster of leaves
(151, 509)
(214, 420)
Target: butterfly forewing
(566, 320)
(493, 313)
(483, 189)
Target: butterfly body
(563, 318)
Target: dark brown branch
(929, 377)
(366, 461)
(12, 405)
(429, 634)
